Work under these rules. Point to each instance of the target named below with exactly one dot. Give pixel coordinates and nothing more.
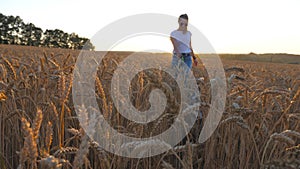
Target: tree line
(14, 31)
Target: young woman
(181, 40)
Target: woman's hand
(195, 61)
(178, 55)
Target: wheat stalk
(102, 96)
(10, 67)
(49, 137)
(61, 89)
(37, 123)
(29, 150)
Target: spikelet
(3, 72)
(74, 131)
(45, 58)
(103, 97)
(282, 138)
(25, 150)
(141, 81)
(37, 123)
(54, 63)
(61, 86)
(66, 150)
(3, 97)
(54, 110)
(49, 135)
(233, 118)
(42, 66)
(110, 110)
(238, 120)
(10, 67)
(293, 148)
(291, 133)
(30, 146)
(279, 92)
(243, 125)
(99, 149)
(67, 93)
(66, 59)
(184, 147)
(235, 69)
(51, 162)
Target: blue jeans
(187, 60)
(179, 63)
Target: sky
(231, 26)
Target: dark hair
(184, 16)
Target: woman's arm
(193, 55)
(192, 52)
(175, 45)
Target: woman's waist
(185, 54)
(180, 50)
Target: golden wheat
(259, 128)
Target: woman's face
(183, 23)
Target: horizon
(130, 51)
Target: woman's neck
(183, 30)
(179, 29)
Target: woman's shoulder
(174, 31)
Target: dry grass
(260, 127)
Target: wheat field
(260, 127)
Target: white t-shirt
(183, 40)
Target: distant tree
(74, 40)
(252, 53)
(10, 29)
(78, 42)
(32, 35)
(14, 31)
(4, 38)
(57, 38)
(47, 38)
(87, 44)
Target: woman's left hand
(195, 61)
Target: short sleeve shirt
(183, 40)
